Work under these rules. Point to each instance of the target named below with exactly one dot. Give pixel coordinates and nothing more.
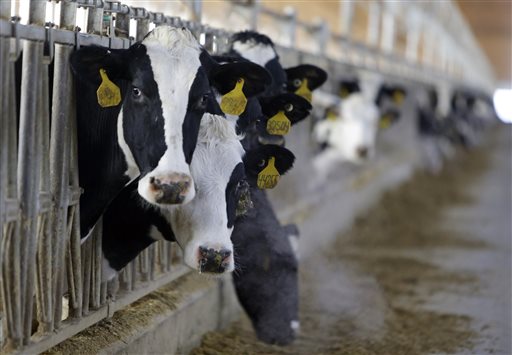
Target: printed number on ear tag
(385, 121)
(108, 93)
(279, 124)
(304, 91)
(398, 97)
(234, 102)
(268, 177)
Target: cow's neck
(101, 162)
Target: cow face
(353, 133)
(305, 78)
(259, 49)
(294, 107)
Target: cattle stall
(51, 284)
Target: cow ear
(87, 62)
(225, 76)
(256, 160)
(316, 76)
(295, 107)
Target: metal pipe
(68, 15)
(95, 21)
(122, 25)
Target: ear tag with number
(304, 91)
(385, 121)
(234, 102)
(108, 93)
(268, 177)
(279, 124)
(398, 97)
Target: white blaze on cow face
(174, 56)
(202, 225)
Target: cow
(304, 79)
(138, 116)
(350, 129)
(222, 171)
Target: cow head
(352, 133)
(305, 78)
(259, 49)
(294, 107)
(165, 90)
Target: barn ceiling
(490, 21)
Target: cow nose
(362, 152)
(214, 261)
(170, 189)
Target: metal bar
(68, 15)
(122, 25)
(28, 173)
(372, 34)
(95, 21)
(59, 168)
(142, 29)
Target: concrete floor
(428, 282)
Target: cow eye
(297, 82)
(136, 92)
(262, 163)
(288, 107)
(204, 98)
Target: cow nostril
(224, 253)
(362, 152)
(152, 180)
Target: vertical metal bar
(256, 9)
(59, 168)
(95, 21)
(68, 15)
(28, 172)
(142, 29)
(388, 31)
(44, 248)
(75, 284)
(346, 18)
(122, 25)
(372, 34)
(86, 257)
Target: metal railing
(42, 263)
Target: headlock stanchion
(51, 284)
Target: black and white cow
(150, 135)
(203, 227)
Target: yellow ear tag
(398, 97)
(304, 91)
(385, 121)
(108, 93)
(331, 115)
(234, 102)
(343, 92)
(279, 124)
(268, 177)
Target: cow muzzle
(214, 261)
(168, 189)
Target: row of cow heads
(353, 120)
(160, 91)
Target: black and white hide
(267, 280)
(138, 116)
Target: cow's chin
(209, 258)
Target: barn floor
(427, 270)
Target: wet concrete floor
(425, 271)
